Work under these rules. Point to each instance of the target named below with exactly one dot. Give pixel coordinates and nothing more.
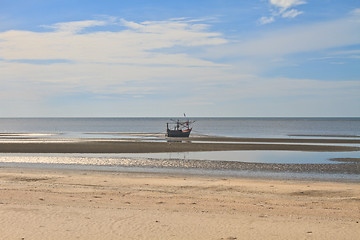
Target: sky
(160, 58)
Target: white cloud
(76, 26)
(266, 20)
(286, 4)
(291, 13)
(338, 55)
(134, 45)
(134, 61)
(346, 52)
(282, 8)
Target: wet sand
(64, 204)
(174, 145)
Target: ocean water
(229, 127)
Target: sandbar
(173, 145)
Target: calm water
(231, 127)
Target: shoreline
(72, 204)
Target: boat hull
(178, 133)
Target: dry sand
(64, 204)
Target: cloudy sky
(154, 58)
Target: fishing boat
(178, 128)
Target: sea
(191, 162)
(227, 127)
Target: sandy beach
(65, 204)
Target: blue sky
(251, 58)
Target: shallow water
(152, 166)
(285, 157)
(274, 164)
(268, 157)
